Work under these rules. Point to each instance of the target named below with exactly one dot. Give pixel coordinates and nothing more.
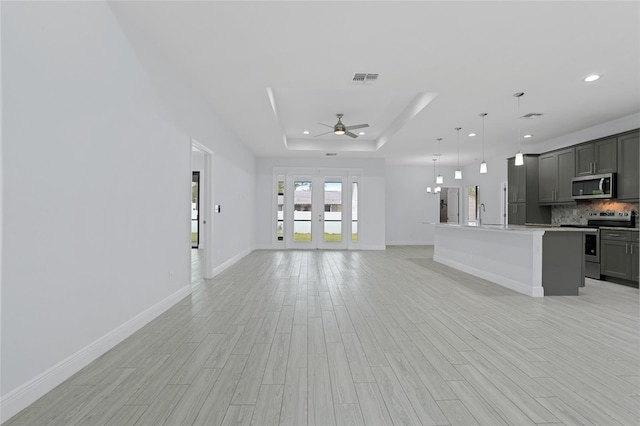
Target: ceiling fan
(341, 129)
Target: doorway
(318, 215)
(450, 205)
(195, 208)
(202, 162)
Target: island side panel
(508, 258)
(562, 263)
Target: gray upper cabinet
(595, 157)
(555, 171)
(628, 176)
(523, 193)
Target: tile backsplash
(578, 213)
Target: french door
(318, 211)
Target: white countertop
(520, 228)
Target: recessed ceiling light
(472, 134)
(306, 132)
(527, 136)
(591, 78)
(361, 133)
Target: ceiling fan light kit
(340, 129)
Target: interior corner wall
(96, 195)
(371, 193)
(233, 164)
(411, 211)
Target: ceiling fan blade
(348, 133)
(325, 125)
(322, 134)
(357, 126)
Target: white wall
(233, 165)
(87, 153)
(411, 211)
(371, 193)
(96, 135)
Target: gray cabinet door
(606, 155)
(615, 260)
(585, 158)
(597, 157)
(565, 173)
(628, 176)
(512, 181)
(635, 262)
(547, 165)
(521, 191)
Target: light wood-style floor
(363, 337)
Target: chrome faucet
(481, 209)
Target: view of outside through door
(302, 210)
(195, 204)
(280, 220)
(318, 211)
(332, 211)
(354, 211)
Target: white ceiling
(274, 69)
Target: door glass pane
(280, 212)
(354, 211)
(302, 211)
(195, 204)
(332, 211)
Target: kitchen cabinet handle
(626, 249)
(614, 235)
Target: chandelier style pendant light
(439, 179)
(519, 155)
(458, 172)
(483, 165)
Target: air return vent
(361, 78)
(532, 115)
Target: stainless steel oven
(592, 254)
(591, 236)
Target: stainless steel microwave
(594, 187)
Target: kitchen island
(533, 260)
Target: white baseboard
(371, 247)
(409, 243)
(24, 395)
(230, 262)
(497, 279)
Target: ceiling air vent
(532, 115)
(331, 154)
(362, 78)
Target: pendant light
(519, 155)
(434, 177)
(483, 165)
(458, 172)
(439, 179)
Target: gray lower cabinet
(523, 193)
(596, 157)
(619, 254)
(635, 262)
(555, 171)
(628, 188)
